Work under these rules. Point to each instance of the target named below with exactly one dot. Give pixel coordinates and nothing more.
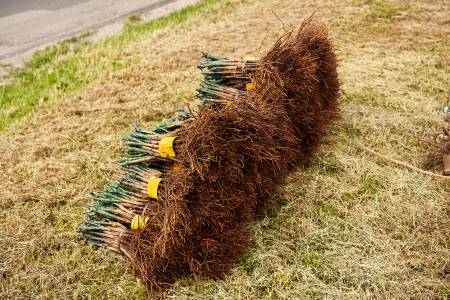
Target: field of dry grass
(350, 226)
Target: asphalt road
(28, 24)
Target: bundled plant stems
(225, 79)
(234, 159)
(228, 72)
(119, 209)
(144, 145)
(113, 211)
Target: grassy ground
(72, 64)
(351, 226)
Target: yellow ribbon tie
(166, 146)
(152, 187)
(139, 222)
(249, 86)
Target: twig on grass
(399, 162)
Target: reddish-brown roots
(234, 160)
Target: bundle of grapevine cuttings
(119, 208)
(225, 79)
(149, 154)
(143, 145)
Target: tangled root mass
(234, 160)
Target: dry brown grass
(350, 226)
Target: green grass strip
(72, 64)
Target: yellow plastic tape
(166, 146)
(177, 167)
(249, 86)
(152, 188)
(139, 222)
(250, 58)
